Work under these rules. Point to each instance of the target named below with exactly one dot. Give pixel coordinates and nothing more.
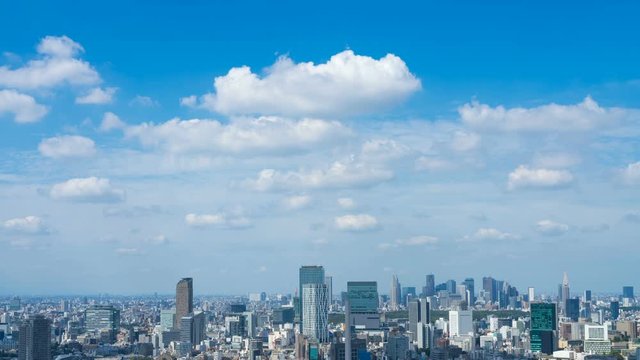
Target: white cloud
(97, 96)
(346, 84)
(631, 174)
(346, 203)
(111, 121)
(551, 228)
(67, 146)
(58, 65)
(420, 240)
(489, 234)
(222, 219)
(357, 222)
(524, 177)
(24, 108)
(189, 101)
(428, 163)
(339, 175)
(465, 141)
(28, 225)
(253, 135)
(128, 252)
(583, 116)
(90, 190)
(297, 202)
(144, 101)
(383, 150)
(555, 160)
(157, 240)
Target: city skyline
(233, 143)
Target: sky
(233, 142)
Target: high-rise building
(544, 323)
(328, 280)
(363, 303)
(424, 336)
(396, 294)
(572, 309)
(489, 287)
(35, 339)
(470, 284)
(451, 286)
(596, 340)
(407, 292)
(460, 322)
(430, 285)
(184, 300)
(98, 318)
(419, 312)
(615, 310)
(627, 292)
(587, 295)
(397, 347)
(167, 319)
(565, 292)
(315, 316)
(192, 328)
(532, 294)
(309, 274)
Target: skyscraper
(470, 284)
(451, 286)
(615, 310)
(587, 295)
(627, 292)
(489, 287)
(460, 322)
(35, 339)
(99, 318)
(419, 312)
(430, 286)
(192, 328)
(315, 315)
(565, 291)
(532, 294)
(572, 309)
(184, 300)
(328, 280)
(310, 274)
(395, 293)
(543, 327)
(363, 303)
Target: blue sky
(459, 138)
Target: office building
(424, 336)
(310, 274)
(587, 295)
(615, 310)
(460, 322)
(451, 286)
(184, 300)
(430, 285)
(572, 309)
(596, 340)
(627, 292)
(99, 318)
(282, 315)
(397, 347)
(531, 293)
(328, 280)
(469, 283)
(167, 319)
(419, 312)
(396, 295)
(544, 320)
(315, 314)
(489, 287)
(35, 339)
(192, 328)
(564, 292)
(407, 293)
(363, 303)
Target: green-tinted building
(363, 296)
(544, 322)
(308, 275)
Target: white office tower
(315, 312)
(596, 340)
(532, 294)
(424, 335)
(460, 322)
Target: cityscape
(325, 320)
(329, 180)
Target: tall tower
(184, 300)
(565, 292)
(315, 315)
(430, 285)
(396, 295)
(35, 339)
(310, 274)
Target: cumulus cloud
(67, 146)
(28, 225)
(297, 202)
(144, 101)
(583, 116)
(89, 190)
(631, 174)
(430, 163)
(24, 108)
(341, 174)
(346, 203)
(420, 240)
(97, 96)
(58, 64)
(383, 150)
(247, 135)
(551, 228)
(222, 220)
(555, 160)
(524, 177)
(484, 234)
(346, 84)
(357, 222)
(465, 141)
(111, 121)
